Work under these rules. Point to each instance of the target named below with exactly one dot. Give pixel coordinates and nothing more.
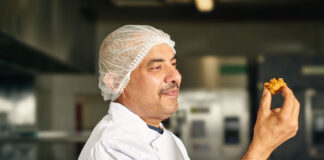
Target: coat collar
(130, 121)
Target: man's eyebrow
(155, 60)
(160, 60)
(174, 57)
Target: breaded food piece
(274, 85)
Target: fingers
(289, 102)
(276, 110)
(291, 106)
(265, 104)
(296, 110)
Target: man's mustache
(168, 87)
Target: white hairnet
(122, 51)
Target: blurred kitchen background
(50, 102)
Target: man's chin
(171, 108)
(168, 114)
(170, 102)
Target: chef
(138, 75)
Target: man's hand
(273, 126)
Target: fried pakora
(274, 86)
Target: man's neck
(154, 123)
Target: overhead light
(205, 5)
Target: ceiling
(225, 10)
(17, 58)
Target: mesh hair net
(122, 51)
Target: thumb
(265, 104)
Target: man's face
(153, 88)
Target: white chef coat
(122, 134)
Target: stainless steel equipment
(214, 125)
(314, 117)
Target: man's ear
(110, 81)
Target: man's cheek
(154, 82)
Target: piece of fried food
(274, 85)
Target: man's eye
(157, 67)
(174, 64)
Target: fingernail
(264, 92)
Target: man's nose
(173, 75)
